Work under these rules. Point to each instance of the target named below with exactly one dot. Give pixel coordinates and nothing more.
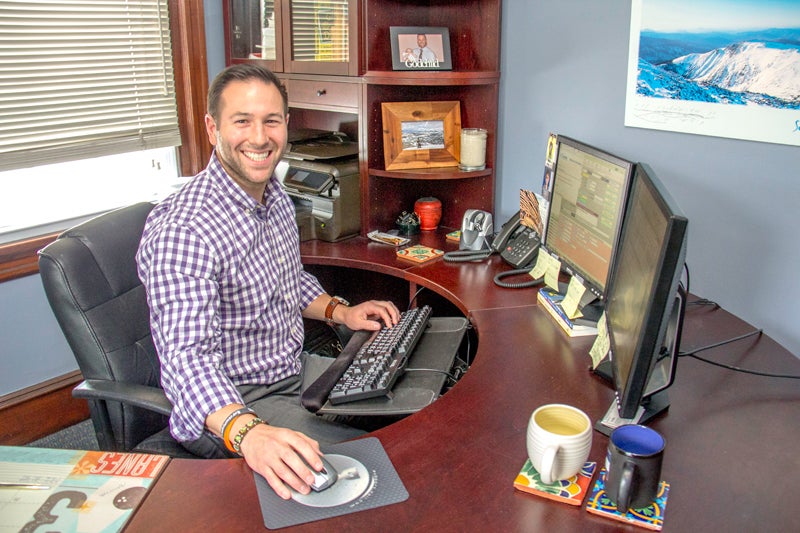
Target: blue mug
(633, 466)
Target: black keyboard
(381, 359)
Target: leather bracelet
(332, 304)
(237, 440)
(225, 429)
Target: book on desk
(73, 490)
(550, 300)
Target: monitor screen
(644, 299)
(587, 202)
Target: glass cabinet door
(253, 28)
(321, 36)
(294, 36)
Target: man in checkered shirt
(227, 292)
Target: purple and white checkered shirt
(226, 288)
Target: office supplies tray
(434, 356)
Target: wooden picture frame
(421, 134)
(420, 48)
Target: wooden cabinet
(346, 95)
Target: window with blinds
(319, 30)
(81, 79)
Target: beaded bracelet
(237, 440)
(228, 424)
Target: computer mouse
(325, 477)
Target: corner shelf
(441, 173)
(429, 78)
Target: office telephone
(517, 244)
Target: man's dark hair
(243, 72)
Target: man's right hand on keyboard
(370, 315)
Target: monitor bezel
(593, 290)
(661, 312)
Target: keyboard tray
(437, 349)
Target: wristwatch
(336, 300)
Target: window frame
(187, 29)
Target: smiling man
(227, 292)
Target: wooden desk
(731, 438)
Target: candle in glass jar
(473, 149)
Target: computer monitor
(645, 302)
(587, 202)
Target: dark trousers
(279, 405)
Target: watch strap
(332, 304)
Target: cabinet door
(253, 32)
(321, 36)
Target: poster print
(725, 68)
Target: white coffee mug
(559, 439)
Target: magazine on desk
(72, 490)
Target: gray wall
(32, 347)
(564, 68)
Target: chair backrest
(89, 275)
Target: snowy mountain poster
(725, 68)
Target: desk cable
(758, 332)
(465, 256)
(693, 353)
(532, 282)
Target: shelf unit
(474, 27)
(350, 100)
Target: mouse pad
(367, 479)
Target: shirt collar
(271, 193)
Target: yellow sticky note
(573, 297)
(551, 275)
(601, 344)
(540, 267)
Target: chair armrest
(150, 398)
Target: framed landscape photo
(421, 134)
(420, 48)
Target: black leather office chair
(89, 276)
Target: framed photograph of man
(420, 48)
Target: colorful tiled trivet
(649, 517)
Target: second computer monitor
(587, 203)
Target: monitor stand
(655, 405)
(652, 406)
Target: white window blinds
(85, 78)
(319, 30)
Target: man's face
(422, 41)
(251, 135)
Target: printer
(320, 174)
